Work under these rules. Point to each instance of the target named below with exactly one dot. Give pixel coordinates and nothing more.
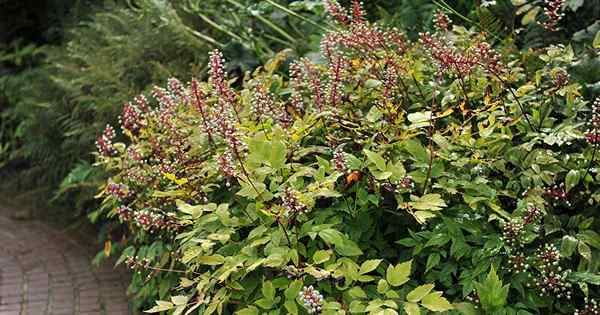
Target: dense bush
(376, 179)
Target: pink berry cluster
(154, 220)
(561, 78)
(452, 61)
(512, 235)
(104, 143)
(591, 308)
(557, 194)
(131, 118)
(336, 11)
(441, 21)
(512, 232)
(592, 134)
(263, 106)
(406, 182)
(136, 263)
(119, 191)
(518, 262)
(514, 229)
(552, 279)
(554, 13)
(125, 213)
(312, 299)
(339, 160)
(292, 205)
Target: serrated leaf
(435, 302)
(419, 292)
(430, 202)
(492, 294)
(416, 150)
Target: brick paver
(45, 271)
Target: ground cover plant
(388, 176)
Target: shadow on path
(46, 271)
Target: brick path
(44, 271)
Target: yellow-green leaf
(419, 292)
(211, 260)
(369, 266)
(412, 309)
(399, 274)
(435, 302)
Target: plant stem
(510, 89)
(589, 167)
(430, 132)
(287, 237)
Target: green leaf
(357, 293)
(374, 114)
(431, 202)
(435, 302)
(179, 299)
(412, 309)
(575, 4)
(211, 260)
(572, 179)
(291, 307)
(585, 251)
(357, 307)
(466, 308)
(399, 274)
(343, 245)
(372, 83)
(579, 277)
(268, 290)
(492, 294)
(419, 292)
(376, 159)
(596, 42)
(416, 150)
(568, 245)
(321, 256)
(160, 306)
(432, 261)
(250, 310)
(292, 291)
(369, 265)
